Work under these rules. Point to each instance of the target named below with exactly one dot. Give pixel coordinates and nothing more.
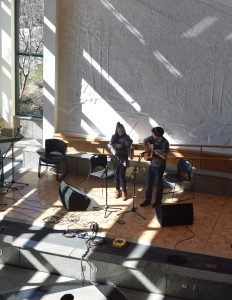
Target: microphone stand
(1, 171)
(13, 181)
(1, 178)
(135, 170)
(106, 188)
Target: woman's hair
(119, 125)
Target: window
(29, 57)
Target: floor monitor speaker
(175, 214)
(73, 198)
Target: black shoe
(145, 203)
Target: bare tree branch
(30, 37)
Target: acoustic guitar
(150, 153)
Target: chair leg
(65, 167)
(39, 169)
(189, 190)
(59, 175)
(102, 187)
(58, 172)
(172, 191)
(192, 190)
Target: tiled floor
(38, 203)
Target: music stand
(133, 209)
(13, 181)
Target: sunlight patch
(112, 82)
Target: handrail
(197, 152)
(201, 146)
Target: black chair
(54, 156)
(183, 175)
(99, 168)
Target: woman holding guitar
(156, 149)
(120, 146)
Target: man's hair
(158, 131)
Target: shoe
(124, 196)
(145, 203)
(117, 194)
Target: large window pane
(29, 57)
(30, 85)
(31, 13)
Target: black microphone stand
(106, 190)
(1, 178)
(133, 209)
(13, 181)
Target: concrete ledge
(213, 182)
(78, 164)
(156, 270)
(204, 181)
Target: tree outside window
(29, 57)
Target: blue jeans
(120, 176)
(155, 174)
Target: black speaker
(73, 198)
(175, 214)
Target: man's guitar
(150, 153)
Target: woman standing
(120, 146)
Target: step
(31, 284)
(148, 269)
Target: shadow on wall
(145, 61)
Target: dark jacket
(120, 146)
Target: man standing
(157, 166)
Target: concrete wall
(139, 62)
(146, 63)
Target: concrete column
(50, 69)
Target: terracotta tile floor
(38, 203)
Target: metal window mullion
(29, 54)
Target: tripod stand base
(110, 212)
(10, 185)
(133, 209)
(17, 182)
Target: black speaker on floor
(73, 198)
(175, 214)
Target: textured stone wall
(146, 62)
